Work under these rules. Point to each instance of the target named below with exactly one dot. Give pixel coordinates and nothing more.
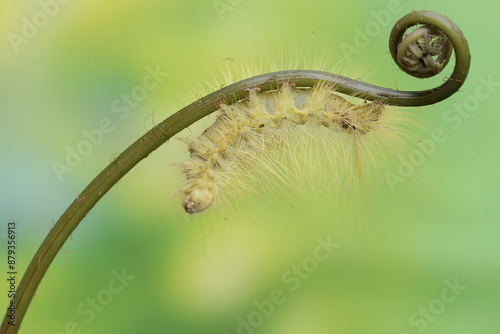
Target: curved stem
(457, 39)
(201, 108)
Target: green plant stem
(201, 108)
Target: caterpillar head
(198, 199)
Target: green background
(396, 247)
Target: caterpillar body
(260, 118)
(248, 134)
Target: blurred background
(420, 254)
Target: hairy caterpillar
(250, 131)
(267, 111)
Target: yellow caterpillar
(249, 130)
(279, 111)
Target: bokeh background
(397, 247)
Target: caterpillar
(263, 123)
(265, 113)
